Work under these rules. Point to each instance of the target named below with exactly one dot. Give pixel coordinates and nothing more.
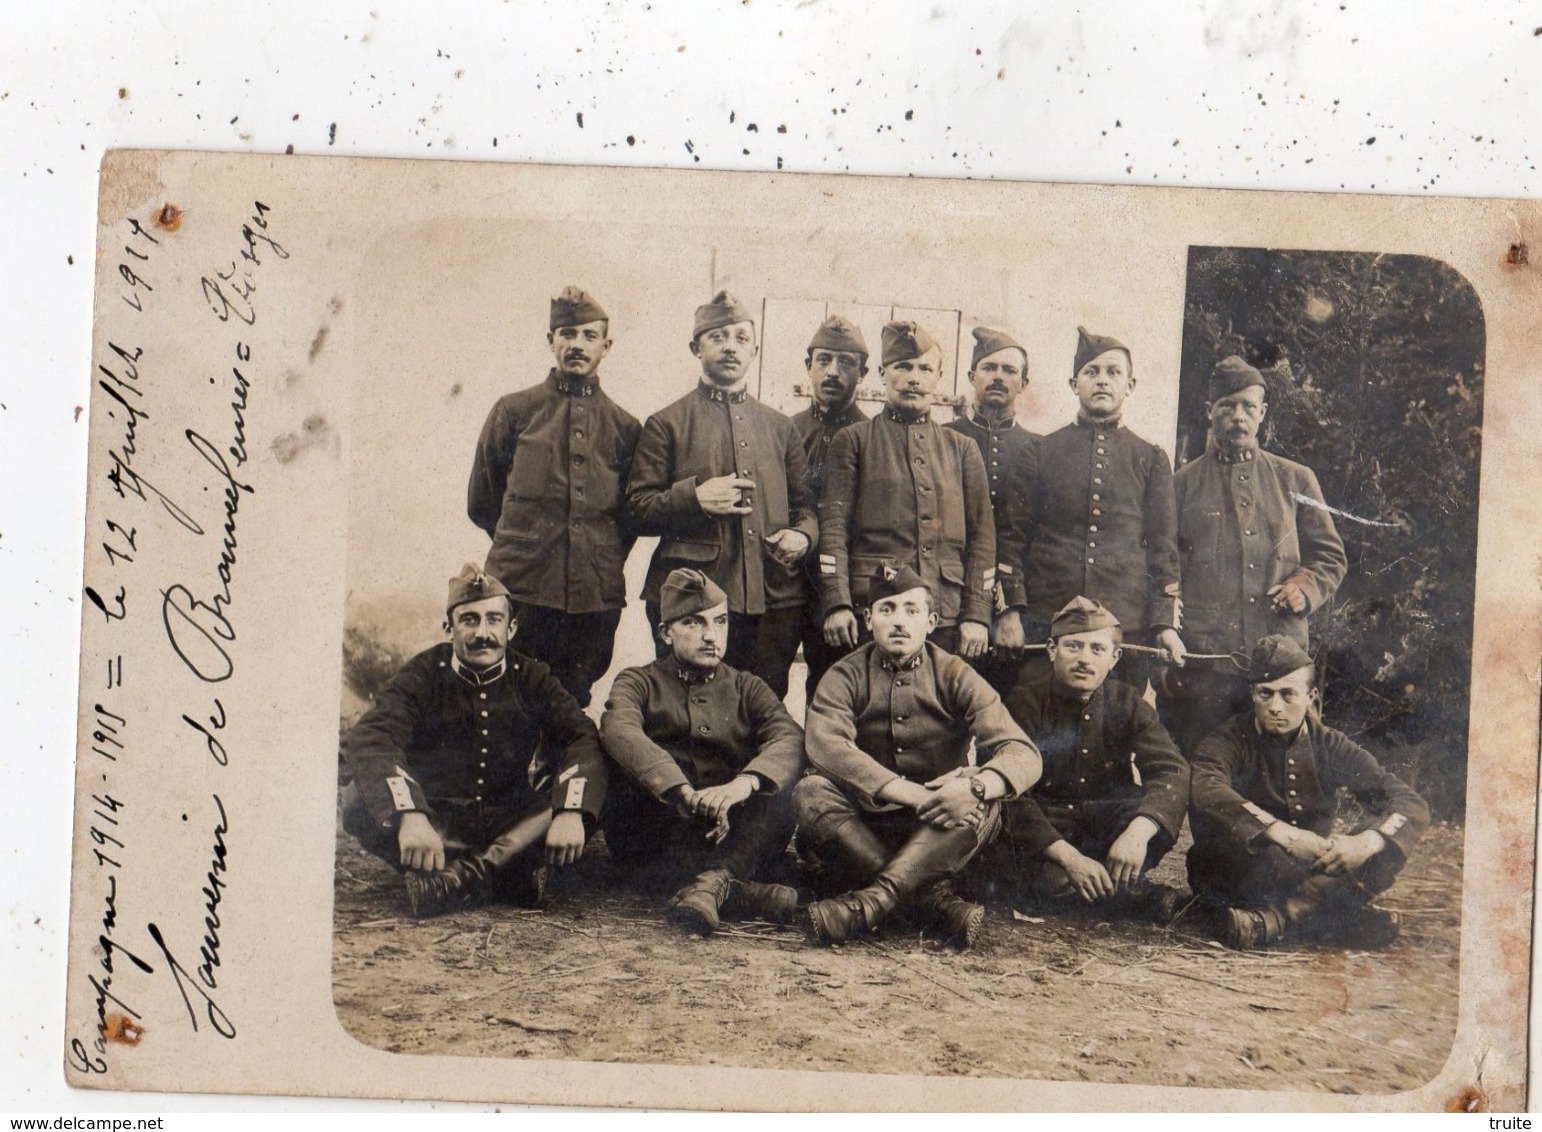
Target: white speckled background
(1386, 97)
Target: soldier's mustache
(482, 643)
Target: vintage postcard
(337, 832)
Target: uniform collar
(689, 676)
(572, 387)
(731, 396)
(479, 679)
(832, 416)
(1112, 423)
(1005, 424)
(1227, 456)
(907, 416)
(903, 665)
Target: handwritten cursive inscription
(202, 981)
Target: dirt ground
(601, 975)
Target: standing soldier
(900, 488)
(1259, 552)
(722, 480)
(1093, 513)
(546, 484)
(836, 362)
(998, 373)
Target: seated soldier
(1114, 791)
(473, 764)
(896, 808)
(708, 752)
(1263, 812)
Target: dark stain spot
(70, 260)
(124, 1030)
(123, 92)
(335, 304)
(455, 390)
(169, 218)
(909, 114)
(78, 410)
(630, 140)
(314, 430)
(1370, 141)
(317, 343)
(332, 134)
(580, 117)
(1518, 255)
(289, 150)
(1468, 1100)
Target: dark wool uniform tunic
(1245, 779)
(1105, 756)
(546, 484)
(1247, 523)
(706, 434)
(667, 733)
(817, 429)
(1092, 515)
(441, 735)
(1001, 446)
(873, 721)
(909, 492)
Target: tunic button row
(744, 444)
(1093, 528)
(578, 433)
(704, 729)
(1097, 480)
(484, 732)
(1101, 452)
(1099, 467)
(825, 438)
(484, 715)
(578, 457)
(1092, 545)
(482, 695)
(1096, 498)
(1090, 562)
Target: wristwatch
(977, 787)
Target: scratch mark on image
(1310, 502)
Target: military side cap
(988, 342)
(1274, 657)
(890, 580)
(723, 310)
(1231, 374)
(473, 584)
(688, 591)
(574, 307)
(835, 333)
(903, 341)
(1089, 346)
(1081, 615)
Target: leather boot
(850, 852)
(698, 903)
(1318, 904)
(1149, 900)
(751, 900)
(929, 856)
(1249, 928)
(960, 918)
(843, 917)
(466, 883)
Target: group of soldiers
(981, 611)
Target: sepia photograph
(858, 637)
(748, 878)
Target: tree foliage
(1375, 371)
